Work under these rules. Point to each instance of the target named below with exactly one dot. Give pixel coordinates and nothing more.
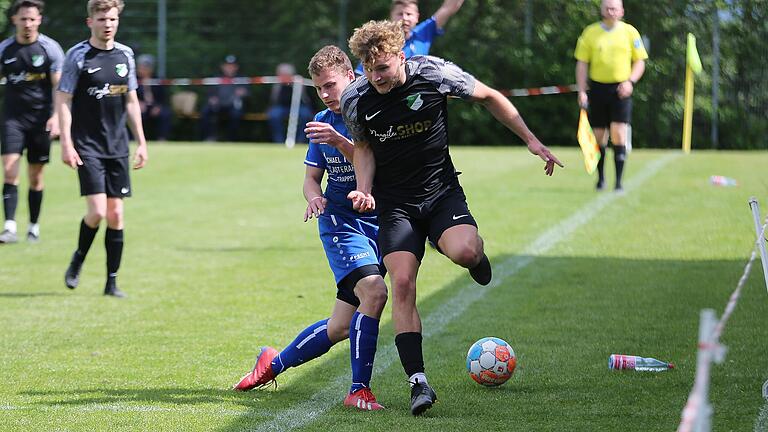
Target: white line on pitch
(306, 412)
(123, 407)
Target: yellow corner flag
(692, 55)
(693, 66)
(588, 143)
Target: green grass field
(218, 262)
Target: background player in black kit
(397, 117)
(96, 94)
(31, 63)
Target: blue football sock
(310, 343)
(363, 335)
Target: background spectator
(227, 99)
(280, 106)
(153, 99)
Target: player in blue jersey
(96, 95)
(31, 63)
(349, 240)
(419, 37)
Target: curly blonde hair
(377, 37)
(329, 57)
(95, 6)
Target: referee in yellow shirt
(611, 54)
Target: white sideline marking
(306, 412)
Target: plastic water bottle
(718, 180)
(643, 364)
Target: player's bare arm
(52, 125)
(64, 109)
(133, 109)
(446, 11)
(324, 133)
(365, 168)
(626, 88)
(582, 70)
(506, 113)
(313, 193)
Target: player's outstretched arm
(69, 156)
(446, 11)
(365, 167)
(313, 193)
(506, 113)
(324, 133)
(133, 109)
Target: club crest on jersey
(414, 102)
(38, 60)
(121, 69)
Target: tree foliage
(504, 43)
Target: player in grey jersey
(397, 117)
(96, 95)
(31, 63)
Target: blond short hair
(95, 6)
(396, 3)
(375, 38)
(329, 57)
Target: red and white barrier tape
(212, 81)
(540, 91)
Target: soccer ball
(491, 361)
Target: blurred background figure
(153, 99)
(280, 105)
(226, 99)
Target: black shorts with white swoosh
(403, 228)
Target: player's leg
(370, 288)
(10, 196)
(38, 155)
(118, 187)
(621, 114)
(35, 200)
(599, 118)
(453, 228)
(619, 139)
(312, 342)
(93, 187)
(113, 244)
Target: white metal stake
(760, 237)
(293, 117)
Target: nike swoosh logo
(368, 117)
(9, 61)
(93, 70)
(459, 216)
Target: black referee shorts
(110, 176)
(17, 136)
(402, 229)
(605, 106)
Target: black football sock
(409, 349)
(10, 200)
(113, 242)
(85, 240)
(601, 167)
(35, 199)
(619, 157)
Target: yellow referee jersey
(610, 53)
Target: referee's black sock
(10, 200)
(409, 349)
(113, 243)
(601, 168)
(619, 157)
(35, 200)
(85, 240)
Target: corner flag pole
(693, 66)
